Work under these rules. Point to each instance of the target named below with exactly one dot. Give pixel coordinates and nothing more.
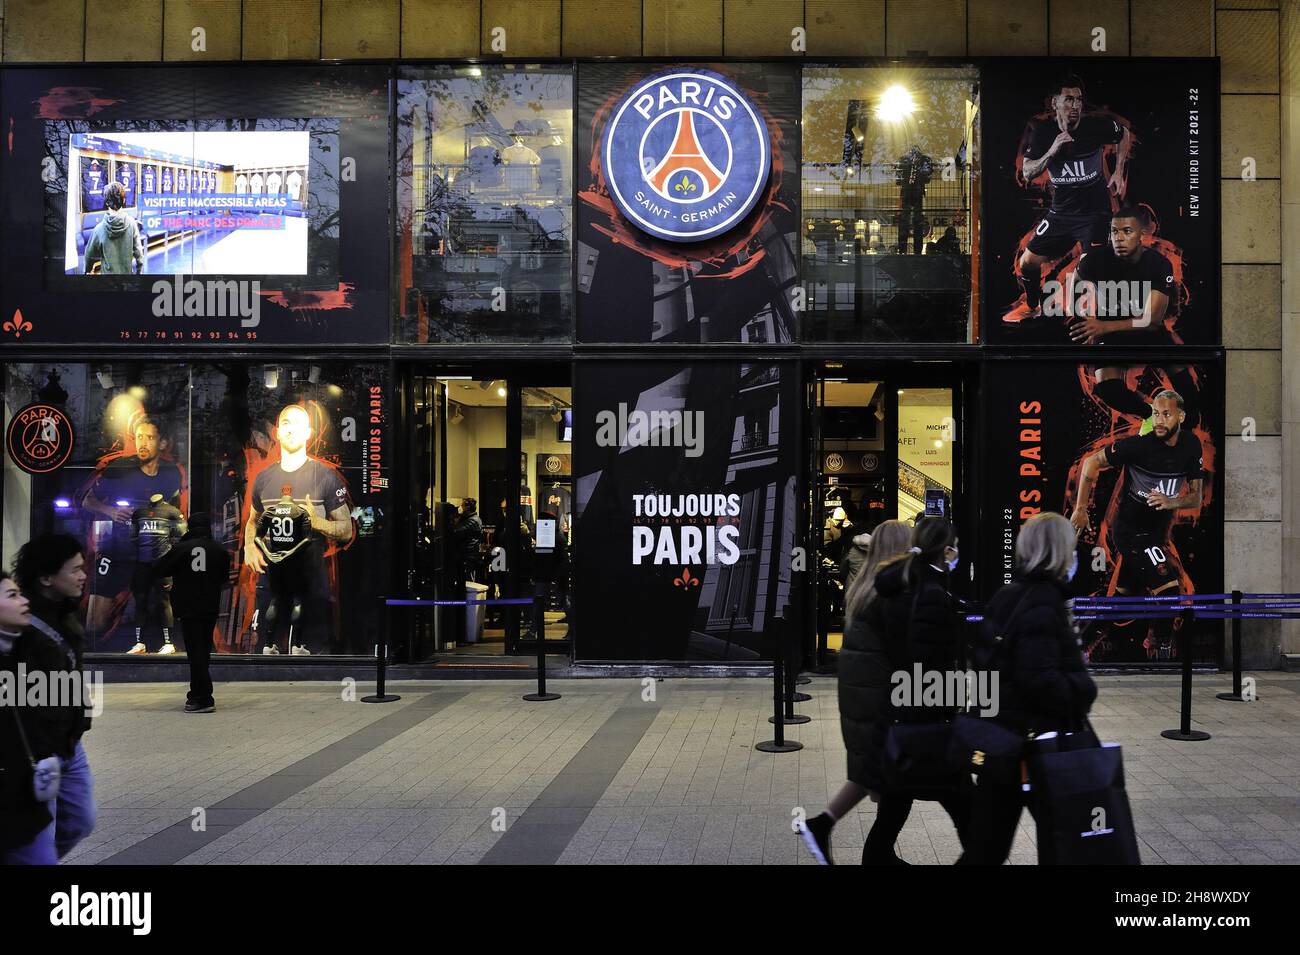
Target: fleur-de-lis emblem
(685, 186)
(686, 581)
(17, 325)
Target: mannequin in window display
(154, 529)
(321, 495)
(913, 174)
(123, 485)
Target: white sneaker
(270, 649)
(167, 648)
(138, 648)
(299, 651)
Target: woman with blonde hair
(865, 667)
(1042, 680)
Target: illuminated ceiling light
(137, 392)
(271, 376)
(62, 503)
(895, 103)
(501, 392)
(334, 390)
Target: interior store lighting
(895, 104)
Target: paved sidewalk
(466, 772)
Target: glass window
(926, 430)
(889, 190)
(485, 204)
(288, 460)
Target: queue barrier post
(778, 744)
(1235, 695)
(539, 626)
(381, 661)
(1185, 733)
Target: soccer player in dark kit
(1070, 145)
(321, 494)
(1162, 475)
(121, 488)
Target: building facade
(715, 307)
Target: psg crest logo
(686, 155)
(39, 439)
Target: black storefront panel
(686, 508)
(290, 460)
(1141, 133)
(196, 206)
(1044, 420)
(688, 196)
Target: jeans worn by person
(74, 817)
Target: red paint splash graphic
(11, 135)
(706, 259)
(314, 301)
(72, 102)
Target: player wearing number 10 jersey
(1162, 474)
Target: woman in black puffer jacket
(1043, 682)
(901, 614)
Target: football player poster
(1143, 490)
(308, 488)
(1101, 212)
(687, 203)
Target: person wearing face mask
(916, 621)
(51, 571)
(1043, 682)
(22, 817)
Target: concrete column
(1290, 477)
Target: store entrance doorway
(491, 469)
(886, 445)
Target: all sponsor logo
(686, 155)
(39, 438)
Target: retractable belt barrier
(1235, 606)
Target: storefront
(653, 341)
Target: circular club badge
(553, 464)
(39, 439)
(686, 155)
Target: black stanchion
(779, 744)
(1185, 733)
(789, 717)
(539, 626)
(381, 661)
(1235, 695)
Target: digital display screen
(188, 203)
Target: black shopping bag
(1078, 801)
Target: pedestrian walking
(1043, 681)
(51, 572)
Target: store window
(889, 235)
(480, 533)
(485, 204)
(122, 454)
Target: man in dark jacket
(51, 570)
(199, 568)
(467, 539)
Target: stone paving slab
(606, 776)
